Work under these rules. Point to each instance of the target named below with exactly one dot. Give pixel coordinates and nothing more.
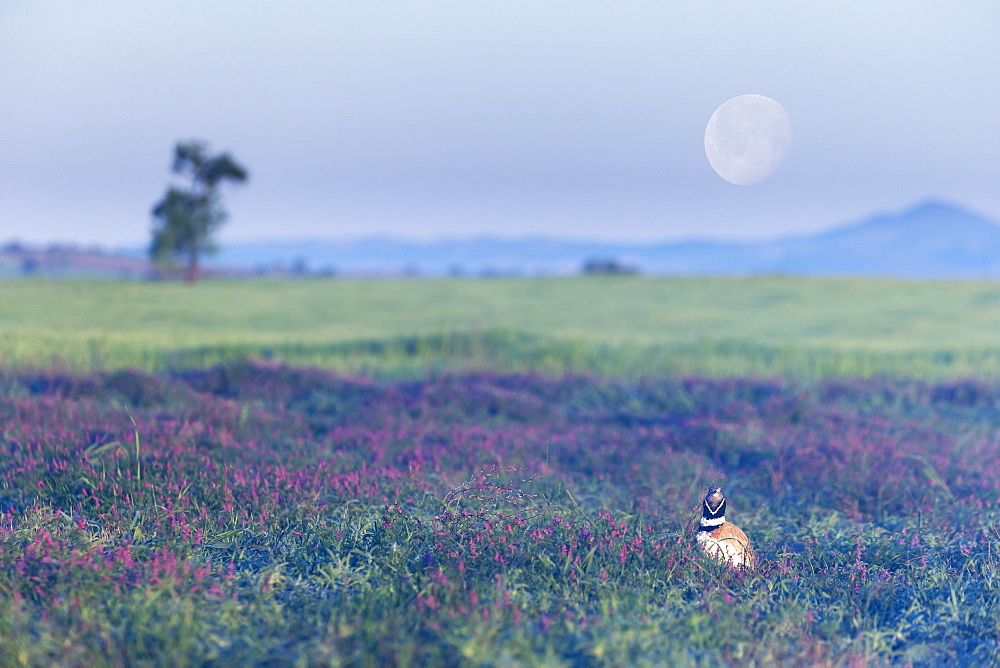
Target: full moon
(747, 139)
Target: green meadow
(770, 326)
(498, 472)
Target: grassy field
(623, 326)
(264, 515)
(498, 472)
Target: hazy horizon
(570, 121)
(142, 244)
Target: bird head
(715, 503)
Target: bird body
(722, 540)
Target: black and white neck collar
(711, 524)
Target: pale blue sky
(434, 119)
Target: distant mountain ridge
(930, 240)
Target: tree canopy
(186, 218)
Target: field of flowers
(254, 513)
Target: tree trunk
(191, 273)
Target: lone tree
(186, 218)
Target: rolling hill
(931, 240)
